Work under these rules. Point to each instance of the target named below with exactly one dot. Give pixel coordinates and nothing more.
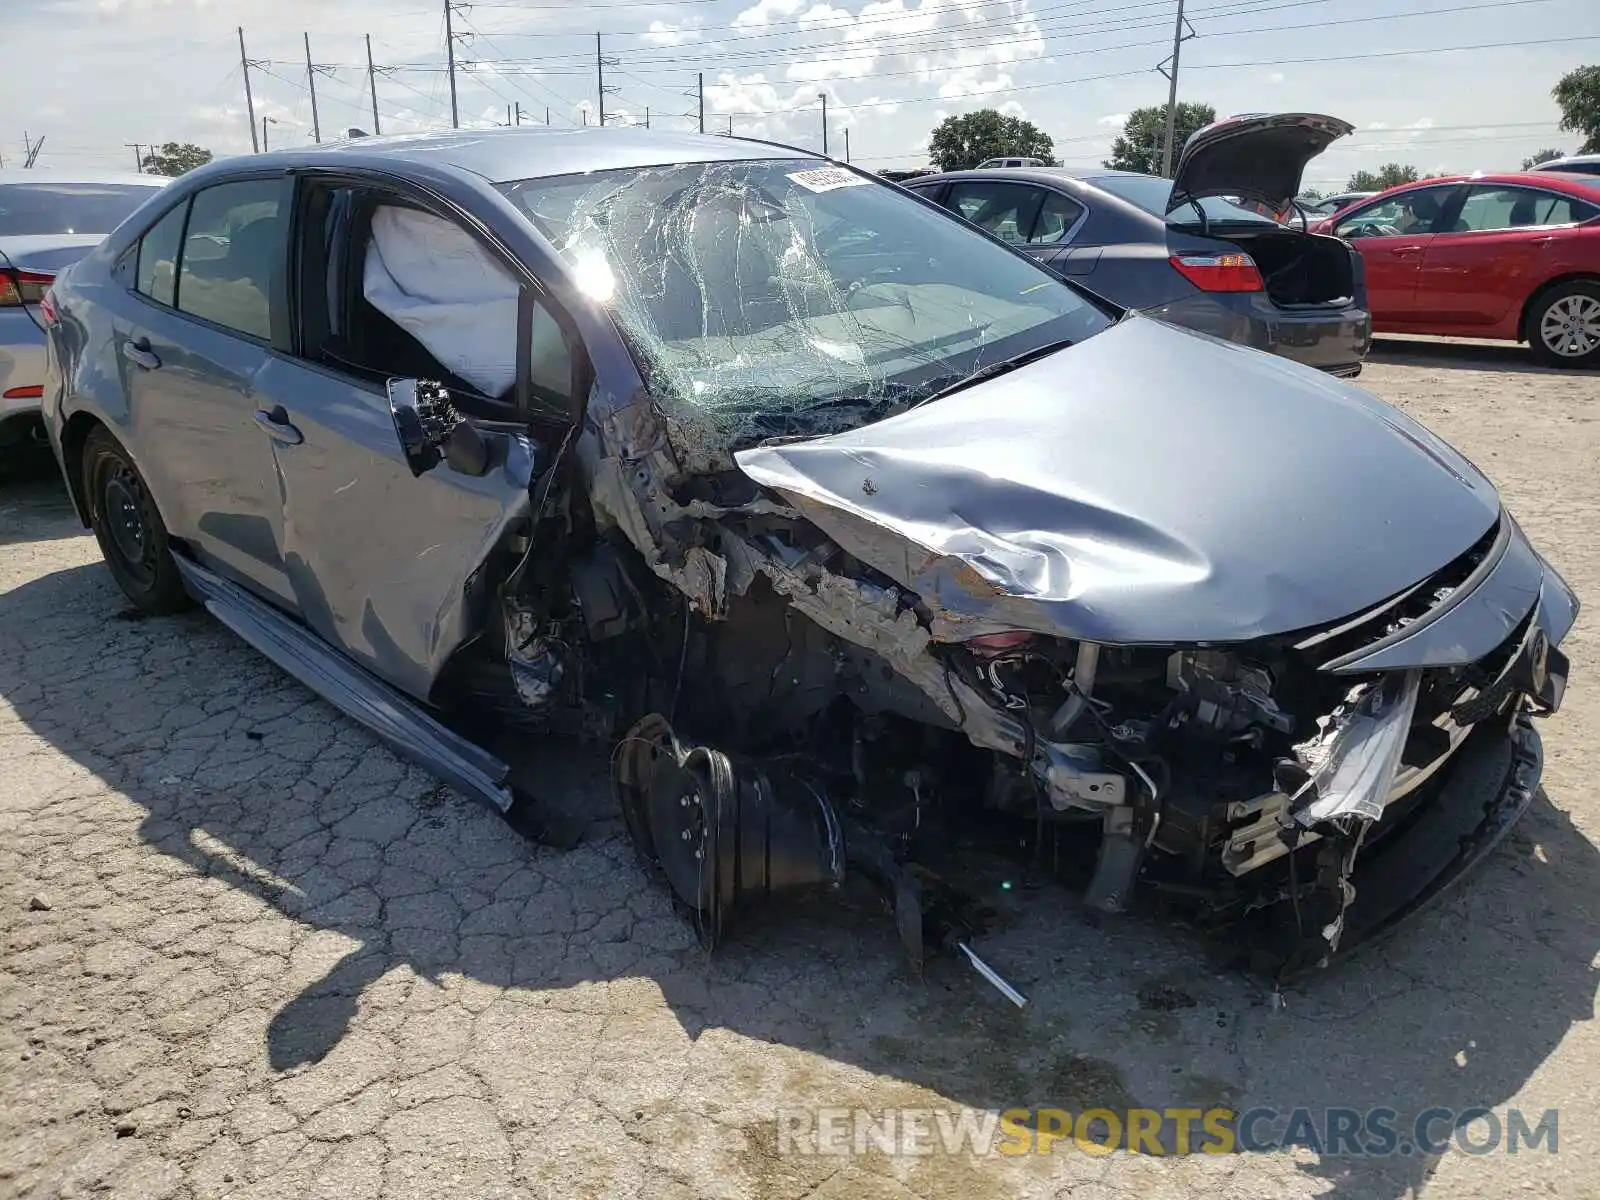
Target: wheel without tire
(1564, 325)
(128, 527)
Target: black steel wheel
(129, 529)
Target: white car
(48, 220)
(989, 164)
(1573, 164)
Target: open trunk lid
(1259, 156)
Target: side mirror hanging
(431, 429)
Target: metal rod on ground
(993, 976)
(450, 61)
(311, 82)
(701, 89)
(372, 84)
(1172, 96)
(249, 100)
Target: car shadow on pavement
(1461, 356)
(277, 806)
(34, 506)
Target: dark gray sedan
(861, 539)
(1177, 249)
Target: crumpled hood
(1148, 485)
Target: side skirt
(398, 720)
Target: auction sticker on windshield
(825, 179)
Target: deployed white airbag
(430, 277)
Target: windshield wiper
(998, 367)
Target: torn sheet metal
(1353, 759)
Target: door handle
(140, 354)
(1406, 251)
(276, 422)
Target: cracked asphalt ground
(247, 952)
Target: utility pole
(450, 60)
(600, 65)
(249, 101)
(547, 115)
(33, 151)
(647, 116)
(518, 107)
(311, 82)
(372, 86)
(1179, 37)
(701, 89)
(138, 151)
(824, 98)
(847, 143)
(509, 121)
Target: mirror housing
(432, 430)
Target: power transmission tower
(601, 62)
(1179, 37)
(249, 100)
(450, 59)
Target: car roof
(57, 175)
(536, 152)
(1036, 174)
(1555, 164)
(1540, 179)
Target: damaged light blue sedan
(872, 548)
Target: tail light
(32, 391)
(1219, 272)
(23, 287)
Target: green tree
(1578, 94)
(1387, 176)
(1310, 195)
(1139, 146)
(1542, 156)
(960, 143)
(176, 158)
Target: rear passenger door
(381, 560)
(1481, 270)
(206, 307)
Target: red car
(1513, 256)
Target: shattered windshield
(791, 297)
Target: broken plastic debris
(1353, 758)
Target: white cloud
(766, 11)
(662, 33)
(1113, 120)
(966, 82)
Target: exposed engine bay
(784, 716)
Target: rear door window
(235, 251)
(1490, 208)
(1006, 210)
(157, 276)
(1057, 217)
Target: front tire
(1564, 325)
(129, 529)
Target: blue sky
(93, 75)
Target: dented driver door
(382, 560)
